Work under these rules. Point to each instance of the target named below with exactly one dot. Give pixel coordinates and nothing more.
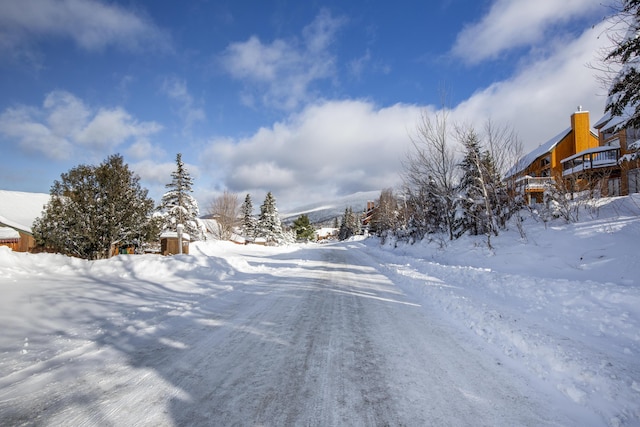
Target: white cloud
(539, 100)
(176, 89)
(285, 69)
(144, 149)
(66, 114)
(329, 149)
(33, 136)
(515, 23)
(91, 24)
(65, 124)
(111, 127)
(154, 172)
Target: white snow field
(537, 333)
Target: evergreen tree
(624, 94)
(269, 226)
(178, 206)
(500, 203)
(470, 199)
(427, 211)
(303, 228)
(482, 202)
(248, 220)
(93, 208)
(348, 227)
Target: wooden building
(18, 211)
(539, 168)
(9, 237)
(616, 163)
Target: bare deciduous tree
(504, 146)
(225, 210)
(432, 164)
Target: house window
(613, 143)
(608, 133)
(633, 134)
(634, 180)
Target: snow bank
(564, 304)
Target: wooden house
(539, 168)
(18, 211)
(367, 215)
(9, 237)
(616, 162)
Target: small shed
(18, 211)
(169, 243)
(9, 237)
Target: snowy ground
(538, 333)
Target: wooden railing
(531, 183)
(595, 158)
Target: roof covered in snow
(174, 235)
(7, 233)
(608, 121)
(527, 159)
(19, 210)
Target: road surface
(314, 337)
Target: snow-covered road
(263, 336)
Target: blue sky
(310, 100)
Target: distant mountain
(325, 212)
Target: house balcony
(529, 184)
(590, 160)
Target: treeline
(452, 183)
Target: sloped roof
(603, 120)
(19, 210)
(7, 233)
(527, 159)
(608, 121)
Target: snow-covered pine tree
(499, 201)
(269, 226)
(470, 199)
(178, 206)
(248, 220)
(624, 97)
(348, 226)
(478, 199)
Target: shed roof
(7, 233)
(19, 209)
(174, 235)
